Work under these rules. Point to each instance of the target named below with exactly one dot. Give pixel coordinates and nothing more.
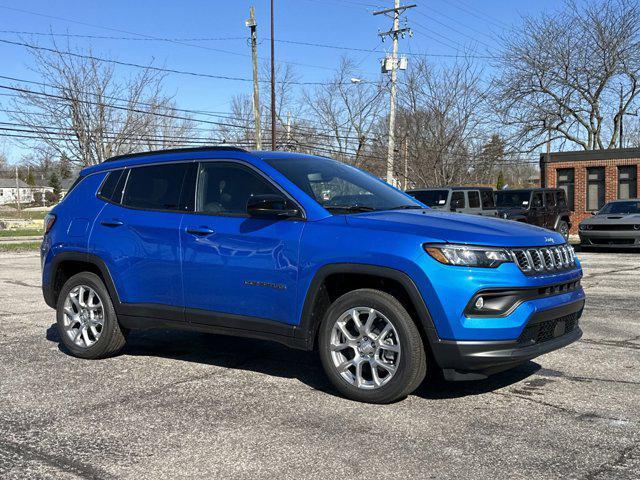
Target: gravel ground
(189, 405)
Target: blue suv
(309, 252)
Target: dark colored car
(473, 200)
(617, 224)
(544, 207)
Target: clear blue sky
(440, 27)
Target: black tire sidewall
(412, 359)
(101, 347)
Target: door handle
(112, 223)
(199, 231)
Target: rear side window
(457, 200)
(474, 199)
(155, 187)
(550, 199)
(112, 187)
(488, 199)
(561, 199)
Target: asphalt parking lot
(190, 405)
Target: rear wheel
(87, 321)
(370, 347)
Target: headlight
(469, 256)
(505, 215)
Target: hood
(614, 218)
(447, 227)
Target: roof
(190, 154)
(11, 183)
(175, 150)
(529, 190)
(448, 188)
(585, 155)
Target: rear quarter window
(488, 199)
(112, 186)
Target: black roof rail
(176, 150)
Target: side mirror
(594, 212)
(271, 206)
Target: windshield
(620, 208)
(432, 198)
(507, 199)
(340, 187)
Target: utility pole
(396, 31)
(273, 86)
(406, 162)
(621, 114)
(18, 190)
(251, 23)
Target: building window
(627, 181)
(566, 181)
(595, 188)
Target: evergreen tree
(54, 182)
(65, 167)
(31, 180)
(500, 184)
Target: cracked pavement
(190, 405)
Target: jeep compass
(308, 252)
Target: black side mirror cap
(271, 205)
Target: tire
(563, 229)
(409, 360)
(72, 317)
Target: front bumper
(607, 238)
(545, 331)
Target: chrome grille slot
(547, 257)
(543, 260)
(522, 261)
(536, 259)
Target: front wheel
(563, 229)
(371, 348)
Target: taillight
(49, 220)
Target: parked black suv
(544, 207)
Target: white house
(9, 193)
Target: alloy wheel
(83, 316)
(365, 348)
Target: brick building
(592, 178)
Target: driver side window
(224, 188)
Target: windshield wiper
(406, 207)
(350, 208)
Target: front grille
(613, 227)
(535, 261)
(612, 241)
(549, 329)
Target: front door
(233, 263)
(536, 210)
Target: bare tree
(88, 115)
(573, 73)
(440, 120)
(349, 109)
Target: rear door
(473, 202)
(237, 270)
(137, 235)
(458, 201)
(551, 209)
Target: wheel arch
(333, 280)
(66, 264)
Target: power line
(147, 67)
(205, 39)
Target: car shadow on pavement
(270, 358)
